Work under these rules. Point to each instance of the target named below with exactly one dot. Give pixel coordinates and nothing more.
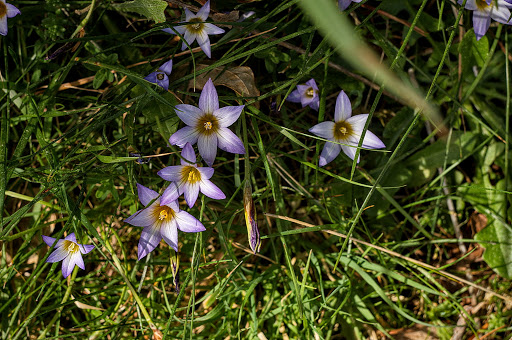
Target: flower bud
(250, 219)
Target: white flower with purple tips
(306, 95)
(343, 4)
(485, 10)
(160, 221)
(197, 28)
(6, 11)
(207, 125)
(346, 129)
(161, 76)
(189, 179)
(69, 250)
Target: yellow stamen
(342, 130)
(196, 25)
(190, 174)
(310, 92)
(207, 124)
(164, 213)
(482, 4)
(70, 247)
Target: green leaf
(151, 9)
(115, 159)
(162, 115)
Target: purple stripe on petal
(149, 239)
(324, 130)
(329, 152)
(71, 237)
(189, 114)
(501, 14)
(77, 259)
(85, 248)
(57, 255)
(209, 100)
(67, 266)
(146, 195)
(189, 38)
(49, 240)
(228, 115)
(207, 146)
(206, 173)
(204, 43)
(204, 11)
(191, 192)
(294, 97)
(167, 67)
(188, 223)
(211, 190)
(183, 136)
(169, 233)
(189, 15)
(312, 83)
(142, 218)
(171, 173)
(211, 29)
(170, 194)
(357, 122)
(481, 23)
(230, 142)
(189, 154)
(343, 109)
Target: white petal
(57, 255)
(149, 239)
(189, 154)
(357, 122)
(343, 109)
(207, 146)
(230, 142)
(77, 259)
(204, 11)
(67, 266)
(183, 136)
(211, 29)
(188, 223)
(324, 130)
(189, 114)
(170, 194)
(169, 233)
(209, 100)
(204, 43)
(189, 15)
(371, 141)
(171, 173)
(206, 173)
(191, 192)
(211, 190)
(143, 218)
(329, 152)
(227, 115)
(501, 14)
(146, 195)
(350, 152)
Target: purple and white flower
(160, 221)
(306, 95)
(69, 250)
(343, 4)
(189, 179)
(485, 10)
(6, 11)
(161, 76)
(346, 129)
(197, 28)
(207, 125)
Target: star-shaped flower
(160, 221)
(69, 250)
(189, 179)
(485, 10)
(161, 76)
(346, 129)
(197, 28)
(343, 4)
(6, 11)
(306, 95)
(207, 125)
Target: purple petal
(304, 100)
(149, 239)
(350, 152)
(85, 248)
(343, 4)
(206, 173)
(189, 114)
(12, 11)
(67, 266)
(211, 29)
(204, 43)
(189, 15)
(329, 152)
(371, 141)
(343, 109)
(57, 255)
(294, 97)
(312, 83)
(230, 142)
(211, 190)
(207, 146)
(167, 67)
(315, 103)
(173, 205)
(3, 25)
(188, 154)
(143, 218)
(151, 77)
(228, 115)
(146, 195)
(50, 241)
(358, 122)
(171, 173)
(71, 237)
(183, 136)
(188, 223)
(170, 194)
(470, 4)
(209, 101)
(204, 11)
(189, 38)
(481, 23)
(324, 130)
(169, 233)
(77, 259)
(191, 192)
(501, 14)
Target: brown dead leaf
(232, 16)
(477, 222)
(417, 332)
(239, 79)
(85, 306)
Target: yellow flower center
(482, 4)
(190, 174)
(164, 213)
(70, 247)
(207, 124)
(342, 130)
(196, 26)
(310, 92)
(3, 9)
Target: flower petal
(501, 14)
(3, 25)
(315, 103)
(191, 192)
(149, 239)
(343, 109)
(188, 223)
(164, 83)
(329, 152)
(204, 11)
(207, 146)
(324, 130)
(189, 114)
(312, 83)
(209, 100)
(67, 266)
(71, 237)
(189, 38)
(166, 67)
(481, 23)
(204, 43)
(171, 173)
(294, 97)
(189, 15)
(211, 190)
(183, 136)
(227, 115)
(188, 154)
(357, 123)
(211, 29)
(170, 194)
(146, 195)
(343, 4)
(206, 173)
(12, 11)
(151, 77)
(350, 152)
(230, 142)
(57, 255)
(371, 141)
(50, 241)
(169, 233)
(85, 248)
(77, 259)
(142, 218)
